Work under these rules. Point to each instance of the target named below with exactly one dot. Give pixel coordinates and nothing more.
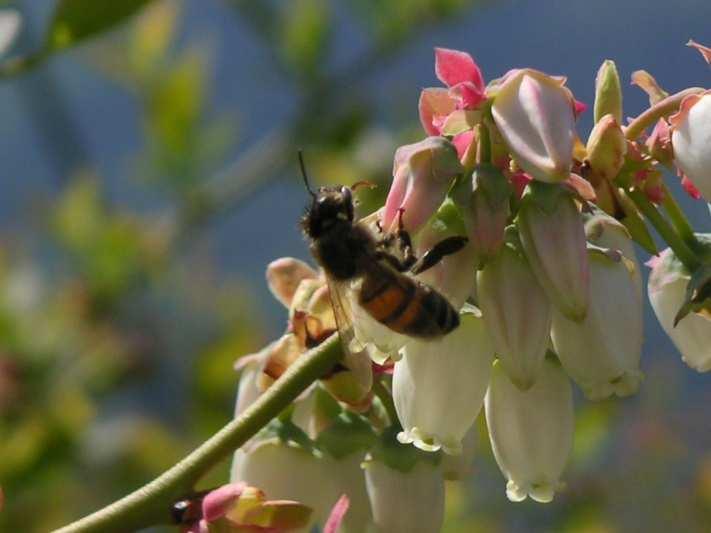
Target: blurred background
(148, 153)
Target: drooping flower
(691, 138)
(422, 174)
(439, 386)
(602, 353)
(667, 287)
(534, 113)
(405, 501)
(553, 239)
(531, 431)
(517, 314)
(286, 471)
(606, 232)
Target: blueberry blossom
(517, 315)
(531, 431)
(422, 175)
(285, 470)
(439, 386)
(602, 353)
(667, 288)
(535, 114)
(553, 239)
(405, 501)
(691, 139)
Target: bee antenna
(304, 175)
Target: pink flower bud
(517, 314)
(422, 175)
(691, 138)
(534, 113)
(553, 239)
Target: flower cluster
(548, 289)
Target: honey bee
(348, 251)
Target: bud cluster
(548, 290)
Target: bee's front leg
(435, 254)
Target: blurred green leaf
(76, 20)
(306, 35)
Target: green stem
(151, 504)
(385, 396)
(678, 218)
(661, 109)
(685, 254)
(484, 143)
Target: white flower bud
(531, 431)
(439, 386)
(517, 315)
(534, 113)
(553, 239)
(667, 289)
(602, 352)
(406, 502)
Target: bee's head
(330, 207)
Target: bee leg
(390, 259)
(404, 243)
(435, 254)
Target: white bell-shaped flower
(606, 232)
(691, 138)
(517, 314)
(666, 289)
(531, 431)
(602, 352)
(439, 386)
(553, 239)
(405, 502)
(288, 472)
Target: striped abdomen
(405, 305)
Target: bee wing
(356, 358)
(344, 316)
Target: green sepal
(635, 224)
(349, 433)
(448, 218)
(490, 181)
(698, 294)
(544, 196)
(401, 457)
(286, 431)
